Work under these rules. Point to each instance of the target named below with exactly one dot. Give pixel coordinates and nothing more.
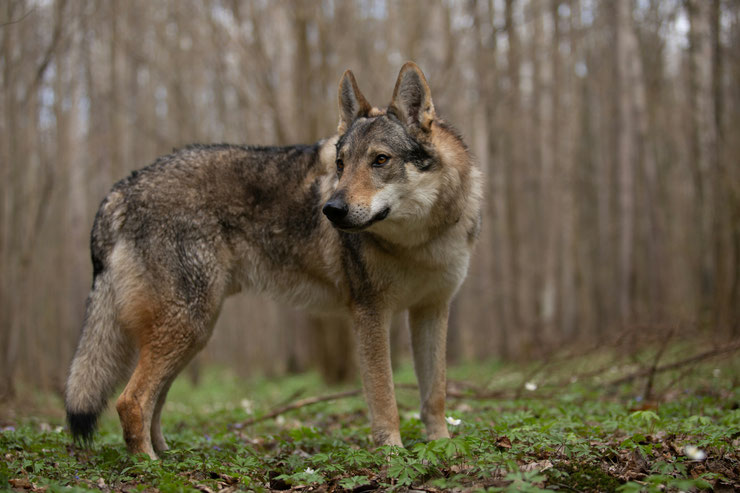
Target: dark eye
(340, 165)
(380, 160)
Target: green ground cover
(567, 425)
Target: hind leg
(139, 407)
(158, 441)
(169, 309)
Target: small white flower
(453, 421)
(531, 386)
(716, 372)
(247, 406)
(694, 453)
(309, 470)
(58, 429)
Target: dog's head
(388, 161)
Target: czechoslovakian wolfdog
(379, 218)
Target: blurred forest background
(608, 132)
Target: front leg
(373, 340)
(428, 326)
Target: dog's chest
(426, 276)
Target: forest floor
(660, 419)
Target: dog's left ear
(352, 104)
(412, 100)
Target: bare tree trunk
(705, 146)
(573, 130)
(8, 185)
(731, 147)
(645, 157)
(115, 120)
(511, 171)
(494, 211)
(477, 291)
(68, 198)
(303, 78)
(333, 349)
(177, 91)
(625, 157)
(723, 226)
(549, 160)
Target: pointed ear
(412, 99)
(352, 104)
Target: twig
(49, 54)
(563, 485)
(673, 383)
(651, 376)
(577, 352)
(477, 394)
(21, 18)
(302, 403)
(308, 401)
(295, 395)
(585, 375)
(464, 385)
(729, 348)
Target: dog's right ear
(352, 104)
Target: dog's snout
(336, 209)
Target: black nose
(335, 209)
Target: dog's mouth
(351, 228)
(380, 215)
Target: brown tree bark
(570, 86)
(511, 169)
(704, 130)
(550, 166)
(115, 117)
(9, 332)
(625, 38)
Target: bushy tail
(103, 358)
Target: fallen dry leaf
(503, 442)
(541, 465)
(20, 483)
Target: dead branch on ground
(308, 401)
(475, 393)
(729, 348)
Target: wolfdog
(401, 199)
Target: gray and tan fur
(378, 219)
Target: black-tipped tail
(82, 426)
